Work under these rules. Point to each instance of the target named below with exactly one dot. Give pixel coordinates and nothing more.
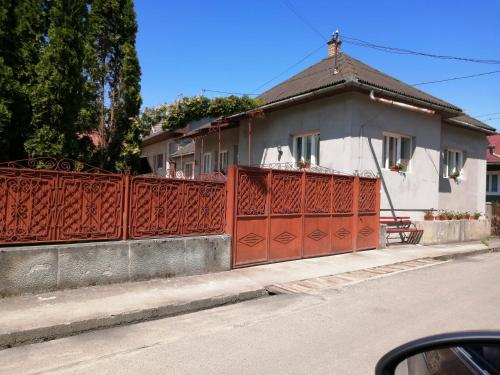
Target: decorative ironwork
(166, 207)
(365, 231)
(317, 235)
(367, 174)
(286, 193)
(367, 194)
(251, 239)
(252, 193)
(284, 238)
(292, 166)
(342, 194)
(318, 195)
(342, 233)
(52, 164)
(53, 205)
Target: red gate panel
(284, 214)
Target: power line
(227, 92)
(289, 5)
(488, 114)
(289, 68)
(491, 119)
(404, 51)
(457, 78)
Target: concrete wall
(30, 269)
(469, 192)
(449, 231)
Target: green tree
(113, 68)
(22, 35)
(58, 94)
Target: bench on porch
(403, 226)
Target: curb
(467, 254)
(30, 336)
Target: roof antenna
(333, 49)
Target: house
(343, 115)
(493, 169)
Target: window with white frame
(189, 170)
(454, 161)
(172, 147)
(306, 148)
(207, 162)
(223, 160)
(396, 152)
(159, 161)
(492, 183)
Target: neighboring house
(349, 117)
(493, 169)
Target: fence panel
(57, 206)
(172, 207)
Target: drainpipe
(401, 105)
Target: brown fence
(59, 204)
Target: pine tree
(22, 31)
(113, 69)
(58, 94)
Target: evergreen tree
(58, 94)
(114, 71)
(22, 31)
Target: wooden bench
(403, 226)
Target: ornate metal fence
(58, 204)
(160, 207)
(48, 201)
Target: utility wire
(488, 114)
(404, 51)
(456, 78)
(294, 10)
(289, 68)
(228, 92)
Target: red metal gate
(278, 215)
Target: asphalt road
(334, 332)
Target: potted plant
(477, 215)
(303, 164)
(450, 215)
(467, 215)
(442, 215)
(429, 215)
(459, 215)
(454, 175)
(398, 167)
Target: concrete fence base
(448, 231)
(30, 269)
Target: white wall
(469, 192)
(150, 151)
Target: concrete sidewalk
(33, 318)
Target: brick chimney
(334, 44)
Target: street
(337, 331)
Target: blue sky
(236, 45)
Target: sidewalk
(32, 318)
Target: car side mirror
(461, 353)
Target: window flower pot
(429, 218)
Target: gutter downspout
(401, 105)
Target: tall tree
(114, 70)
(22, 35)
(58, 94)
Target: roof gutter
(400, 104)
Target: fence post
(230, 199)
(355, 212)
(126, 205)
(377, 205)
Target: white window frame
(207, 167)
(314, 153)
(191, 163)
(156, 158)
(489, 175)
(223, 158)
(460, 167)
(385, 149)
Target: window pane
(487, 182)
(317, 149)
(405, 150)
(298, 148)
(392, 151)
(308, 147)
(494, 183)
(159, 161)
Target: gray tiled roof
(468, 120)
(350, 70)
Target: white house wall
(468, 194)
(151, 150)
